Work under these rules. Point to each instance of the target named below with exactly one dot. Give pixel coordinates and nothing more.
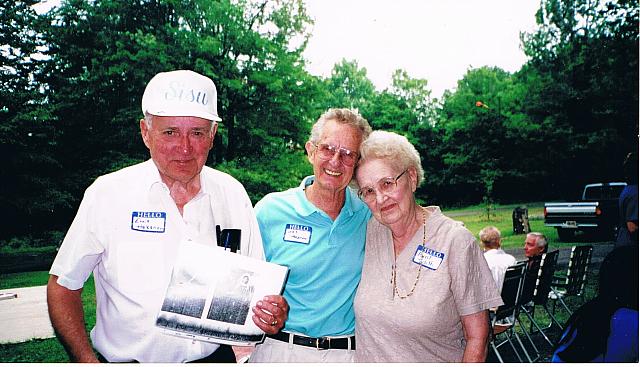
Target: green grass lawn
(474, 218)
(26, 279)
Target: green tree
(348, 86)
(484, 135)
(415, 94)
(28, 198)
(407, 103)
(584, 64)
(101, 55)
(407, 108)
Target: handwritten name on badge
(297, 233)
(149, 221)
(428, 258)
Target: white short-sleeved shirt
(425, 326)
(498, 262)
(127, 232)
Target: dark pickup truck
(596, 213)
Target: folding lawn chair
(541, 293)
(511, 291)
(575, 280)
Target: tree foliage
(348, 86)
(101, 55)
(71, 81)
(584, 70)
(27, 137)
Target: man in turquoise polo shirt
(318, 231)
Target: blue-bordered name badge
(297, 233)
(149, 221)
(428, 258)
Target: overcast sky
(437, 40)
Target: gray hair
(490, 236)
(342, 116)
(541, 240)
(148, 120)
(394, 148)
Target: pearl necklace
(415, 283)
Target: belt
(318, 343)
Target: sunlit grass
(26, 279)
(501, 216)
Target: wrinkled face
(389, 205)
(332, 173)
(531, 249)
(179, 146)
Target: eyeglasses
(328, 151)
(385, 185)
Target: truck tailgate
(571, 214)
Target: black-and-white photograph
(186, 294)
(232, 297)
(211, 299)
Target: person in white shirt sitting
(497, 259)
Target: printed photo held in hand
(212, 292)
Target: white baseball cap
(181, 93)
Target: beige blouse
(425, 326)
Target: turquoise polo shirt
(324, 258)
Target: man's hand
(270, 313)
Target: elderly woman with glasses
(425, 289)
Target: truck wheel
(565, 234)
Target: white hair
(395, 149)
(342, 116)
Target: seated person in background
(497, 259)
(534, 245)
(605, 329)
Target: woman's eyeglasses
(385, 185)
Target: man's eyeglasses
(328, 151)
(385, 185)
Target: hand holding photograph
(211, 294)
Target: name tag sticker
(428, 258)
(149, 221)
(297, 233)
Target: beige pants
(278, 352)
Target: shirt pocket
(141, 267)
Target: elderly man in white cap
(131, 224)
